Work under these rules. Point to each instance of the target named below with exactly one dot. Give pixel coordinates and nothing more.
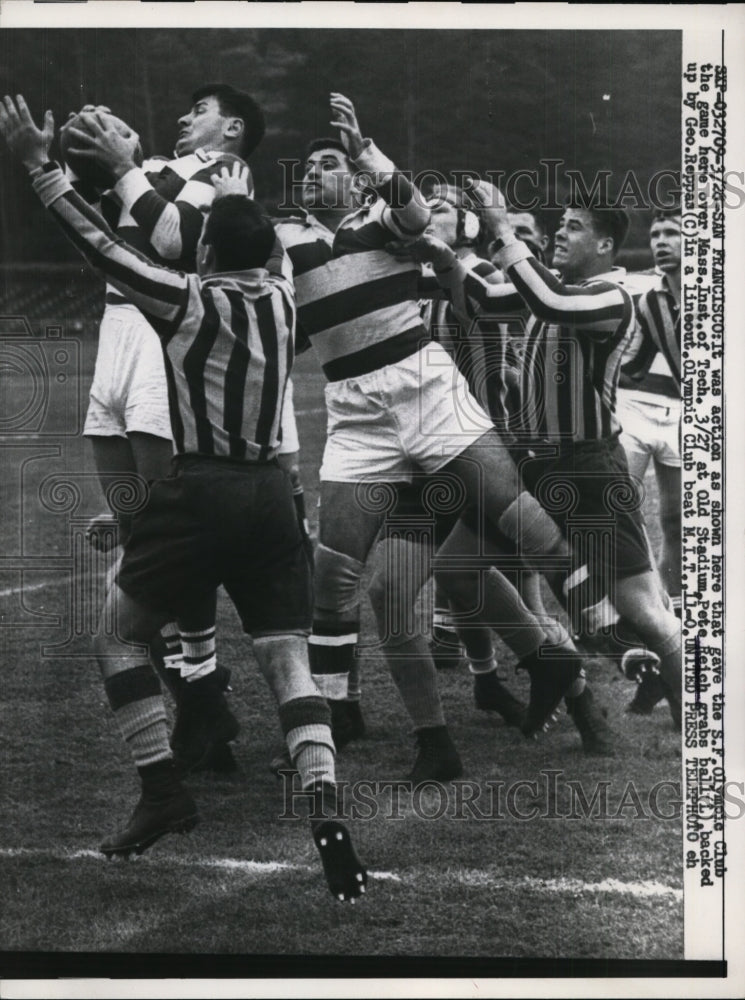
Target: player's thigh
(351, 515)
(638, 460)
(487, 473)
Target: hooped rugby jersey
(227, 338)
(481, 347)
(159, 208)
(652, 363)
(357, 305)
(574, 344)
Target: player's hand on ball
(25, 140)
(429, 250)
(105, 140)
(345, 119)
(231, 180)
(492, 204)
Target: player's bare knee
(336, 581)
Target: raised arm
(159, 293)
(171, 227)
(465, 283)
(597, 308)
(406, 213)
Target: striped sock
(306, 724)
(200, 656)
(173, 655)
(136, 700)
(331, 649)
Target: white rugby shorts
(416, 414)
(129, 391)
(650, 425)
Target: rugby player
(484, 351)
(396, 402)
(649, 405)
(158, 208)
(574, 345)
(227, 514)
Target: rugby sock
(599, 617)
(331, 650)
(485, 666)
(173, 654)
(580, 591)
(354, 681)
(199, 654)
(306, 725)
(443, 629)
(336, 621)
(415, 676)
(136, 700)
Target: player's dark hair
(239, 233)
(667, 213)
(323, 143)
(237, 104)
(536, 216)
(613, 222)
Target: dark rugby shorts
(588, 488)
(216, 521)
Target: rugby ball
(88, 170)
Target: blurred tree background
(443, 100)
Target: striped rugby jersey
(227, 338)
(159, 208)
(574, 344)
(481, 347)
(652, 364)
(357, 305)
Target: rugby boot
(165, 806)
(550, 679)
(346, 876)
(203, 722)
(590, 720)
(437, 759)
(649, 689)
(490, 695)
(347, 722)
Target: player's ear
(234, 128)
(605, 245)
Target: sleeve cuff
(132, 186)
(372, 161)
(514, 250)
(51, 185)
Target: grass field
(470, 883)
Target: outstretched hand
(492, 204)
(25, 140)
(345, 119)
(105, 141)
(231, 180)
(426, 250)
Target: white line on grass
(475, 878)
